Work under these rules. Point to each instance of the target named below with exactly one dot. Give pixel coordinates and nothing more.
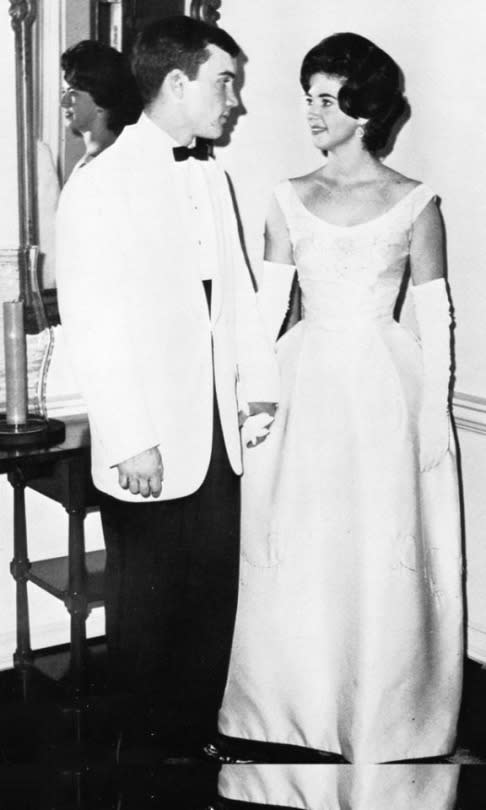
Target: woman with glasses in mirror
(100, 96)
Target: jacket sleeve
(93, 278)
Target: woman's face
(329, 125)
(80, 109)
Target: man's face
(210, 97)
(80, 111)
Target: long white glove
(432, 309)
(274, 294)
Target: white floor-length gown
(349, 629)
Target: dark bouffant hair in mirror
(106, 75)
(372, 86)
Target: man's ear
(175, 82)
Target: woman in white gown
(349, 629)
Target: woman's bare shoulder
(306, 181)
(397, 185)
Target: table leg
(77, 600)
(19, 568)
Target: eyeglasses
(69, 94)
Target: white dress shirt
(194, 181)
(196, 187)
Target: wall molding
(469, 412)
(65, 405)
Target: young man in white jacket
(168, 347)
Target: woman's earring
(360, 132)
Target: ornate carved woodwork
(207, 10)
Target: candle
(15, 362)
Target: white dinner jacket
(136, 320)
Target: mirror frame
(207, 10)
(23, 14)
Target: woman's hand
(255, 422)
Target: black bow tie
(200, 151)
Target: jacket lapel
(221, 201)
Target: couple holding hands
(338, 628)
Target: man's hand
(142, 474)
(255, 423)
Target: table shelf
(53, 576)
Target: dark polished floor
(56, 757)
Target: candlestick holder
(36, 430)
(27, 344)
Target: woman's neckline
(356, 224)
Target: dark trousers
(171, 590)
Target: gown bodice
(350, 275)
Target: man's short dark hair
(105, 74)
(175, 42)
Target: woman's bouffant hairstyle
(372, 87)
(105, 74)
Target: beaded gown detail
(348, 635)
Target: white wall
(439, 44)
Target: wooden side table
(60, 472)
